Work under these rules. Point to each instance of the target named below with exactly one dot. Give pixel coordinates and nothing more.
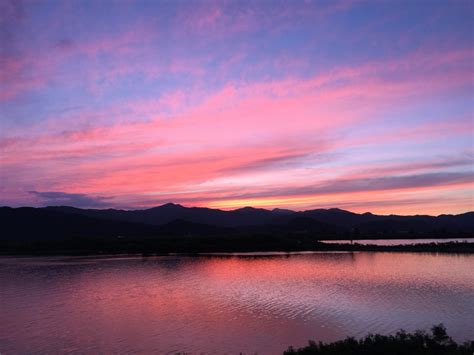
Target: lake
(217, 304)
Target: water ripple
(226, 304)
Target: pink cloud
(239, 129)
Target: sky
(359, 105)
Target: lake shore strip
(462, 247)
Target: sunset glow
(361, 105)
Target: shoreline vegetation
(419, 342)
(207, 249)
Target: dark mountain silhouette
(282, 211)
(169, 212)
(249, 216)
(302, 224)
(180, 227)
(174, 228)
(28, 223)
(339, 217)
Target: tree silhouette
(402, 343)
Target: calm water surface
(227, 304)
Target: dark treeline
(438, 342)
(207, 244)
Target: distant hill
(28, 223)
(174, 227)
(249, 216)
(96, 221)
(169, 212)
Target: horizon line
(235, 209)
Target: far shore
(462, 247)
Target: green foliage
(402, 343)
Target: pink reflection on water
(218, 304)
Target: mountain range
(175, 219)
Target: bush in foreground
(402, 343)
